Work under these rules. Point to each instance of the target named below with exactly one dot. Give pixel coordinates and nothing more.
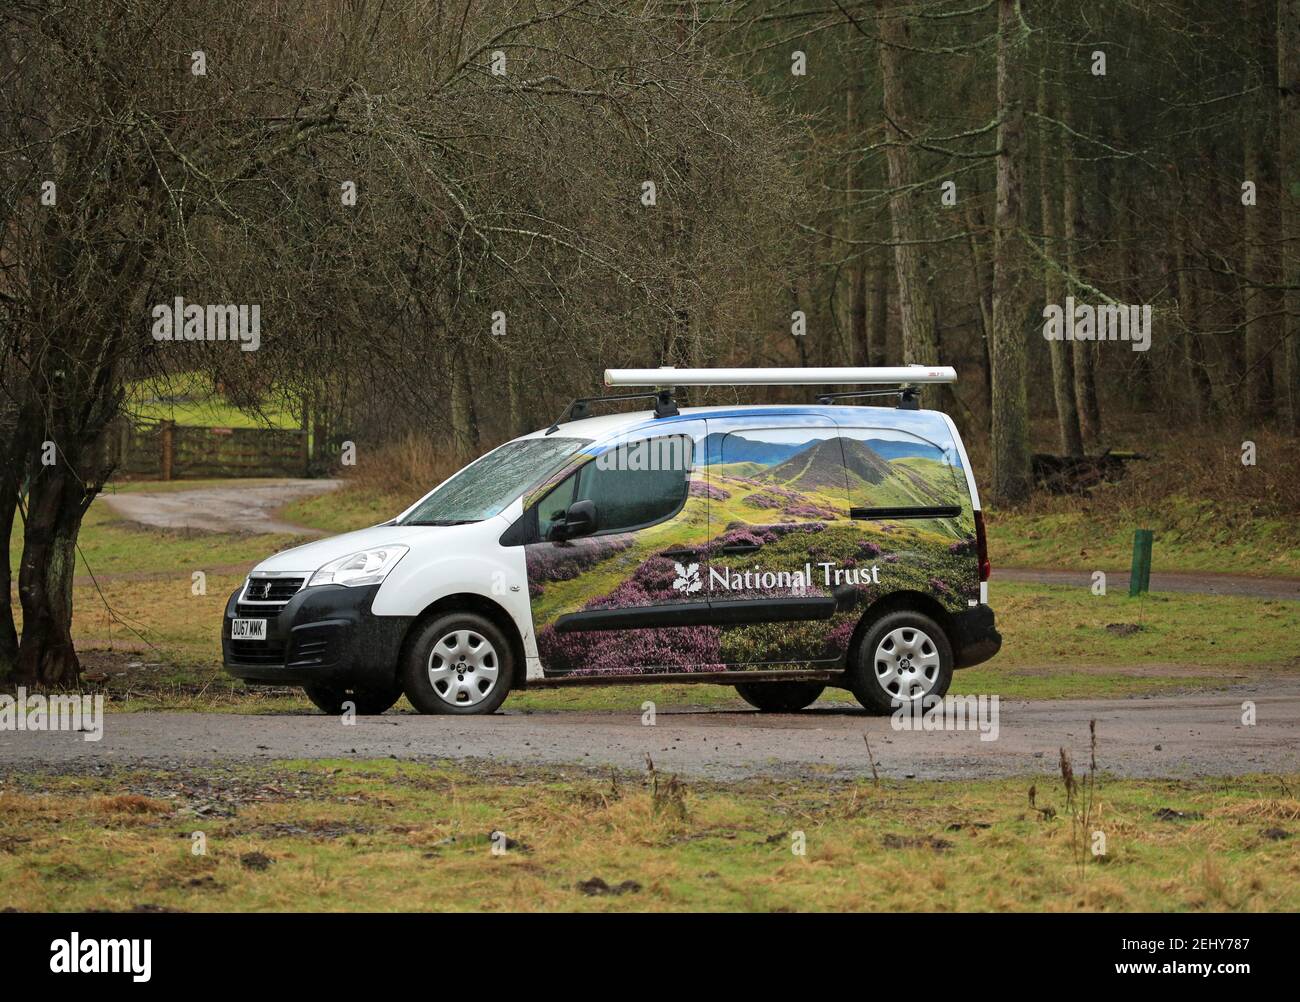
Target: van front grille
(266, 597)
(245, 611)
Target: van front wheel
(458, 663)
(779, 697)
(905, 656)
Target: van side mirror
(579, 520)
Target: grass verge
(385, 835)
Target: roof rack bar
(580, 407)
(868, 376)
(826, 398)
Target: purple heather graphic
(767, 515)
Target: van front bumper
(324, 634)
(975, 638)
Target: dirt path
(234, 507)
(1175, 736)
(1202, 584)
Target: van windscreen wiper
(443, 521)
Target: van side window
(637, 484)
(551, 507)
(893, 473)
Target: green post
(1139, 579)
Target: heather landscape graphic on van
(767, 515)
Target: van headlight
(365, 567)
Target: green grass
(112, 546)
(1056, 624)
(1190, 536)
(189, 399)
(363, 835)
(350, 507)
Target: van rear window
(894, 474)
(487, 485)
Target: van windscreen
(487, 485)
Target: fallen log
(1079, 474)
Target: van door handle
(678, 554)
(741, 547)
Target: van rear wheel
(459, 663)
(780, 697)
(365, 702)
(903, 657)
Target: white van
(780, 549)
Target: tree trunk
(1256, 231)
(1011, 475)
(463, 423)
(1125, 197)
(1287, 389)
(858, 315)
(8, 632)
(514, 399)
(15, 451)
(915, 301)
(1201, 390)
(878, 313)
(1067, 411)
(982, 275)
(1085, 359)
(56, 503)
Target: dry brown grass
(132, 803)
(1261, 810)
(1203, 464)
(408, 467)
(383, 834)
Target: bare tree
(1288, 132)
(1010, 432)
(1067, 411)
(915, 304)
(498, 161)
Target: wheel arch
(483, 606)
(912, 601)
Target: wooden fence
(167, 451)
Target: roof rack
(907, 397)
(907, 379)
(868, 376)
(580, 407)
(666, 379)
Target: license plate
(248, 629)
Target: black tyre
(780, 697)
(368, 702)
(903, 656)
(459, 662)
